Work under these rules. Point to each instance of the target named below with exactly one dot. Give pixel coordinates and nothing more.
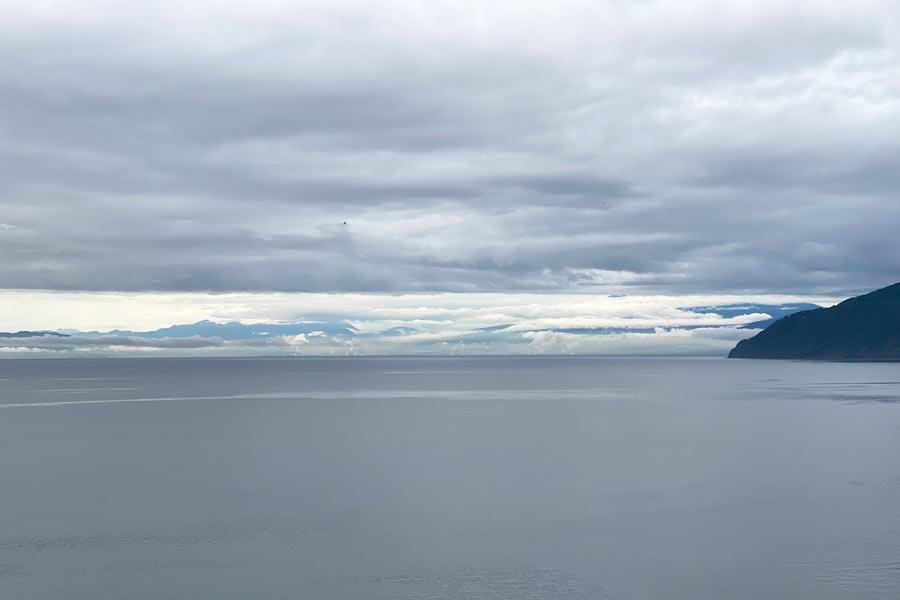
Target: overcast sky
(609, 146)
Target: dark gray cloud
(676, 147)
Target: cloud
(267, 324)
(703, 341)
(316, 343)
(49, 342)
(505, 147)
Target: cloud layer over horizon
(327, 324)
(644, 147)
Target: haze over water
(449, 478)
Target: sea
(445, 478)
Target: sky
(162, 163)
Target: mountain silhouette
(862, 328)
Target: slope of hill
(862, 328)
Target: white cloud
(663, 341)
(392, 324)
(49, 310)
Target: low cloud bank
(707, 340)
(439, 324)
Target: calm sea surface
(449, 478)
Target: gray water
(449, 478)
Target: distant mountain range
(862, 328)
(228, 331)
(27, 334)
(735, 310)
(340, 330)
